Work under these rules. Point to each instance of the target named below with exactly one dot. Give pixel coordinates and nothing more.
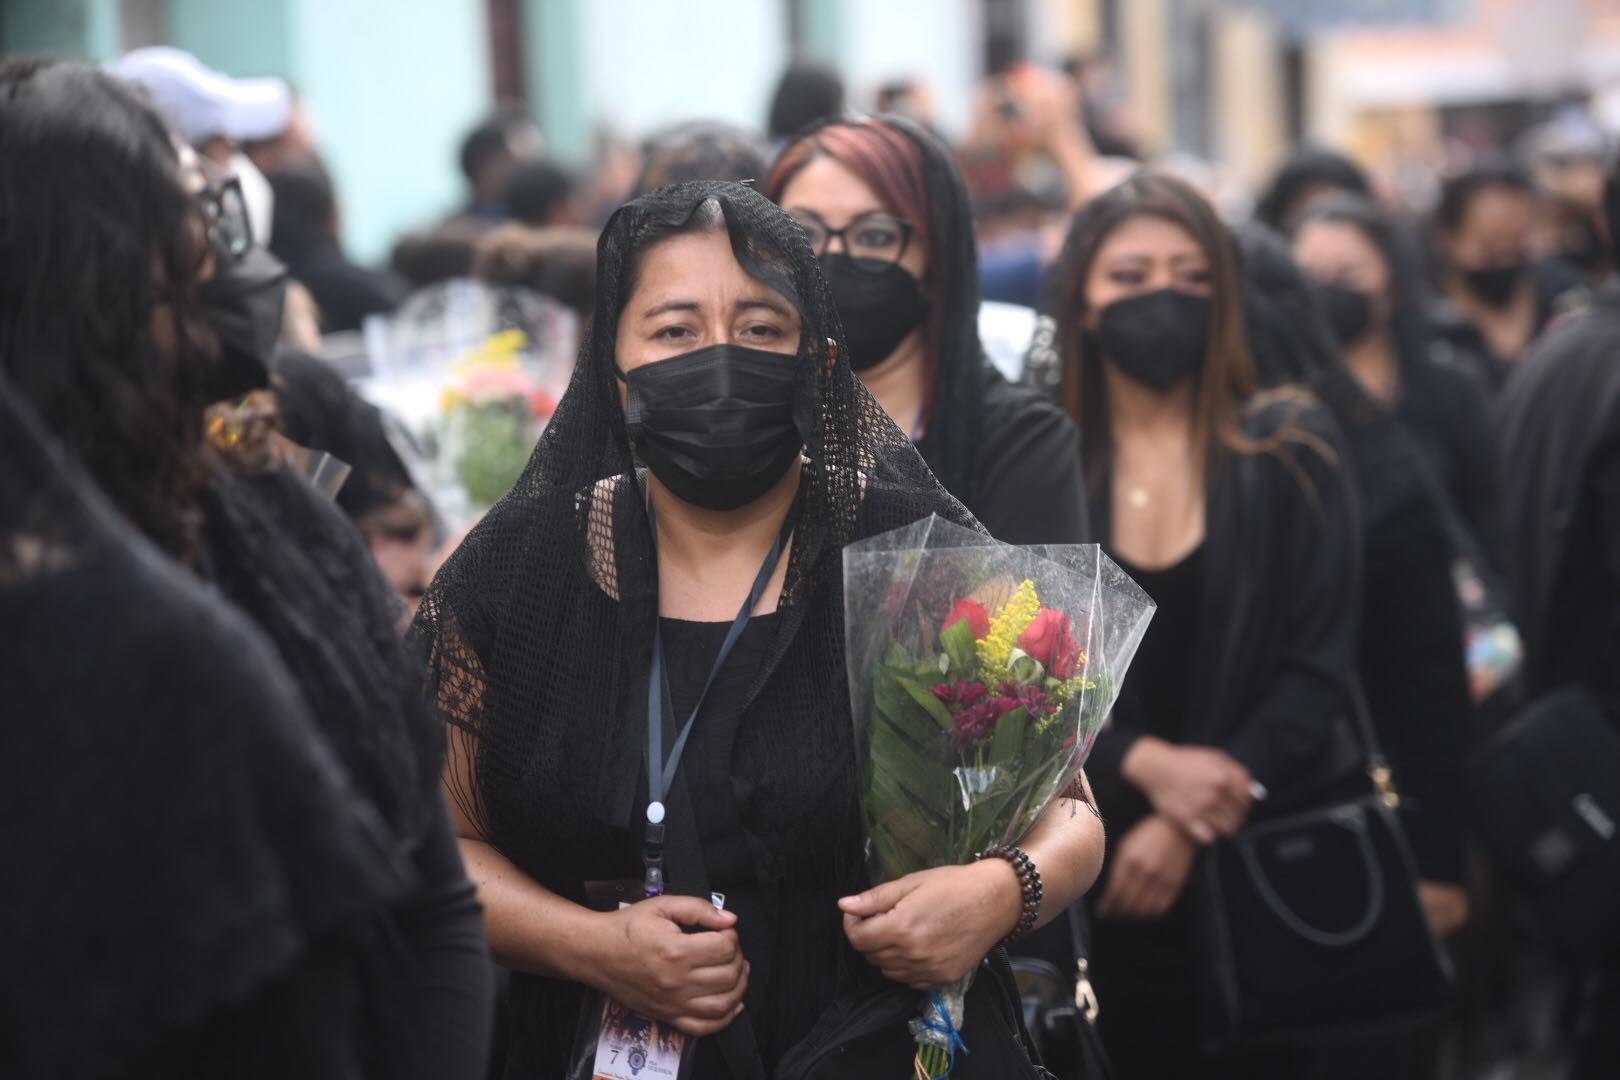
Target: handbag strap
(736, 1041)
(1085, 995)
(1377, 764)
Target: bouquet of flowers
(492, 415)
(980, 674)
(469, 373)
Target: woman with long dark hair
(1495, 298)
(1408, 653)
(886, 211)
(1373, 303)
(113, 254)
(714, 359)
(1232, 510)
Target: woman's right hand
(1205, 791)
(650, 964)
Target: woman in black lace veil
(540, 630)
(192, 875)
(113, 255)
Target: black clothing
(1029, 486)
(190, 862)
(1155, 700)
(344, 291)
(1011, 456)
(1409, 654)
(538, 633)
(783, 948)
(290, 561)
(1282, 588)
(1559, 417)
(1559, 291)
(1263, 623)
(1445, 405)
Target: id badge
(621, 1044)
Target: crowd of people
(317, 787)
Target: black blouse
(1280, 611)
(1155, 699)
(795, 956)
(1029, 487)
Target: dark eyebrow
(750, 303)
(876, 211)
(668, 306)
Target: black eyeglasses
(225, 208)
(879, 240)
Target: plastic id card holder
(614, 1043)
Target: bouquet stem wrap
(980, 674)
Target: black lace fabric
(289, 559)
(177, 832)
(538, 630)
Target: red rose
(1049, 641)
(978, 619)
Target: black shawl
(538, 630)
(1551, 418)
(178, 832)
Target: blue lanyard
(661, 771)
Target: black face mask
(1496, 285)
(715, 426)
(1158, 338)
(1349, 311)
(879, 303)
(242, 303)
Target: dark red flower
(1034, 700)
(1050, 641)
(977, 723)
(978, 619)
(959, 693)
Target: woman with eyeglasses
(127, 306)
(887, 213)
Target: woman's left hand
(930, 928)
(1148, 871)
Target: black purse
(1546, 799)
(1061, 1014)
(864, 1033)
(1310, 926)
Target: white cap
(201, 103)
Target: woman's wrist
(588, 948)
(1140, 765)
(1007, 896)
(1027, 891)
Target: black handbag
(864, 1033)
(1546, 800)
(1061, 1013)
(1310, 926)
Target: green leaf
(931, 704)
(958, 643)
(1009, 737)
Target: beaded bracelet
(1029, 884)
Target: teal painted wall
(77, 29)
(554, 48)
(393, 85)
(242, 37)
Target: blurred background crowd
(433, 175)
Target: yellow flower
(1008, 624)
